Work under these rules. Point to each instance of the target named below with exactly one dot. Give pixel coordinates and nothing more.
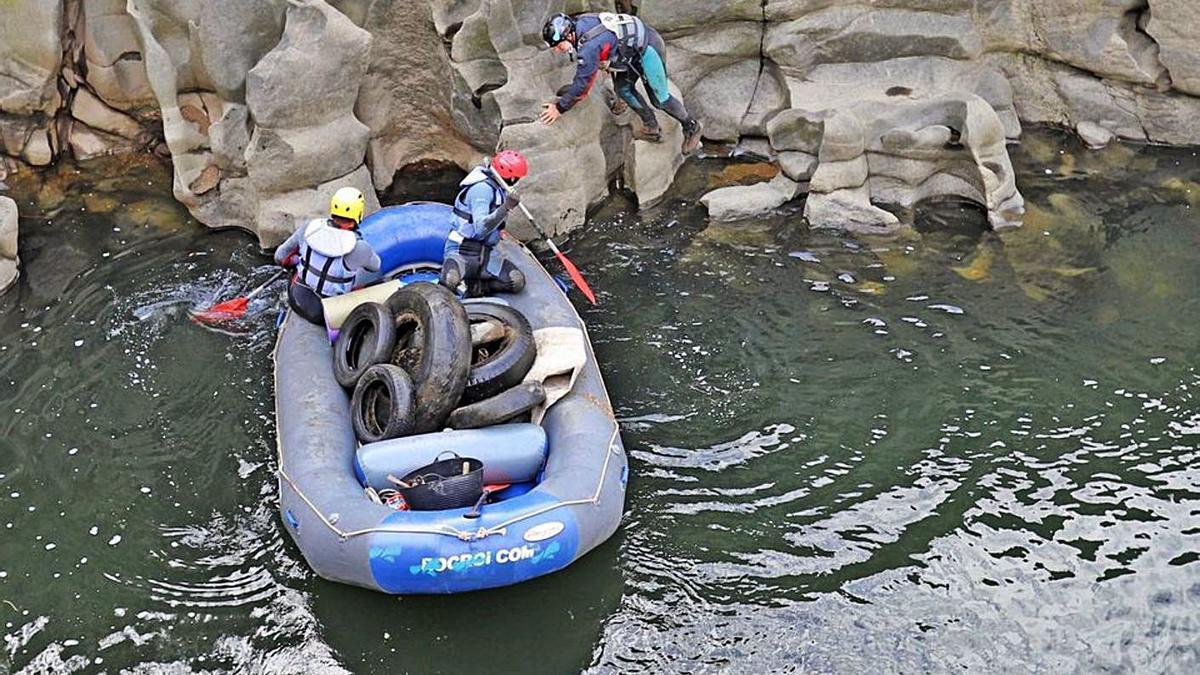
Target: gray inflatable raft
(345, 536)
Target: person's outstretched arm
(289, 248)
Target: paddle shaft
(572, 270)
(261, 287)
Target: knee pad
(513, 281)
(452, 274)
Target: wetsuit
(327, 262)
(479, 219)
(597, 48)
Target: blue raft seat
(408, 235)
(511, 453)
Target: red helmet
(510, 164)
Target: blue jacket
(590, 55)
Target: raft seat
(511, 454)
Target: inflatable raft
(573, 503)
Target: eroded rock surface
(868, 107)
(8, 243)
(747, 201)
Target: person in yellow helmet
(327, 254)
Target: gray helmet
(556, 28)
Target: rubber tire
(367, 337)
(500, 408)
(435, 350)
(367, 404)
(507, 367)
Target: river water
(953, 449)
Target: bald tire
(383, 404)
(433, 344)
(501, 363)
(500, 408)
(366, 338)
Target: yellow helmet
(349, 203)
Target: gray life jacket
(322, 253)
(631, 37)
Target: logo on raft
(532, 553)
(544, 531)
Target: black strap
(463, 213)
(307, 262)
(324, 275)
(593, 33)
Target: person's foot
(618, 107)
(691, 136)
(651, 134)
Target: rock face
(30, 54)
(869, 107)
(506, 74)
(748, 201)
(8, 243)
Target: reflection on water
(951, 449)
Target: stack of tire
(423, 361)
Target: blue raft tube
(539, 527)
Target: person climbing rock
(629, 49)
(327, 253)
(480, 212)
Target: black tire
(501, 364)
(367, 337)
(501, 408)
(383, 405)
(433, 344)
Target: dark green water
(951, 450)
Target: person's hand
(512, 200)
(550, 113)
(292, 260)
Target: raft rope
(462, 535)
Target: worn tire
(383, 404)
(498, 365)
(367, 337)
(499, 408)
(433, 344)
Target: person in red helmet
(480, 211)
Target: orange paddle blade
(223, 311)
(577, 278)
(573, 271)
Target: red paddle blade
(576, 276)
(223, 311)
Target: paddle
(234, 308)
(573, 271)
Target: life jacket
(322, 267)
(631, 37)
(478, 175)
